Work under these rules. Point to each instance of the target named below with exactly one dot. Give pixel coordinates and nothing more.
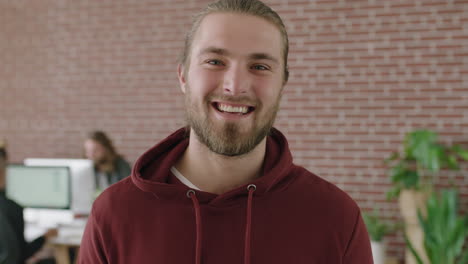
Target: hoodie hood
(151, 172)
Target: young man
(225, 190)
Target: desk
(70, 227)
(62, 245)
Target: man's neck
(216, 173)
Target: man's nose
(236, 80)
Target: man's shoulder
(319, 189)
(309, 179)
(118, 194)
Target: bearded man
(225, 189)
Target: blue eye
(214, 62)
(260, 67)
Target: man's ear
(181, 75)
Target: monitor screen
(82, 180)
(39, 187)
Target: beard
(229, 138)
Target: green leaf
(396, 173)
(410, 179)
(444, 231)
(452, 162)
(431, 160)
(464, 258)
(413, 251)
(400, 173)
(463, 153)
(393, 157)
(418, 142)
(377, 228)
(394, 192)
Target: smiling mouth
(233, 109)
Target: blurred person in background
(9, 253)
(13, 246)
(109, 166)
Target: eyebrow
(214, 50)
(253, 56)
(263, 56)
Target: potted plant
(377, 229)
(444, 230)
(412, 171)
(422, 156)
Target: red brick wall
(363, 73)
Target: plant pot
(410, 202)
(378, 252)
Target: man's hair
(248, 7)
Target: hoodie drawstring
(248, 226)
(196, 205)
(251, 188)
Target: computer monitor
(82, 180)
(39, 187)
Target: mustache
(234, 99)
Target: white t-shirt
(183, 179)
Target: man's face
(234, 82)
(94, 151)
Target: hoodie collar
(151, 172)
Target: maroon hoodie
(288, 215)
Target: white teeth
(233, 109)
